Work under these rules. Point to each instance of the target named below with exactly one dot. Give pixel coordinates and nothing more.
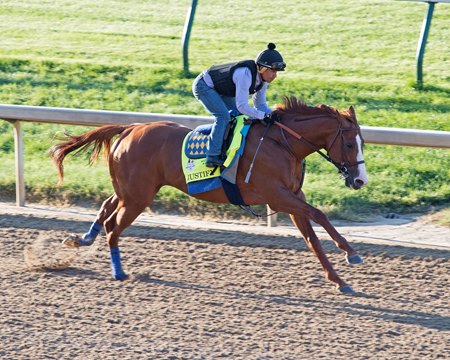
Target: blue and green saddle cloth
(199, 177)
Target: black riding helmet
(270, 58)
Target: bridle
(342, 166)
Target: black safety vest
(222, 77)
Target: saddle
(200, 178)
(197, 140)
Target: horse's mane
(292, 105)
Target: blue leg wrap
(354, 259)
(88, 238)
(116, 265)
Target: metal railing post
(271, 219)
(422, 42)
(19, 150)
(187, 34)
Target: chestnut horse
(145, 157)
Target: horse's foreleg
(350, 254)
(296, 204)
(311, 239)
(108, 207)
(302, 214)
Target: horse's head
(336, 131)
(345, 150)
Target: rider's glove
(270, 118)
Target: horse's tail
(100, 137)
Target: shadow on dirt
(229, 237)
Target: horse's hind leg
(313, 242)
(108, 206)
(118, 221)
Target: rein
(342, 167)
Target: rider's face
(269, 75)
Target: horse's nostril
(359, 182)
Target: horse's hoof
(86, 240)
(347, 290)
(354, 259)
(72, 241)
(120, 276)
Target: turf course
(126, 55)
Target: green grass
(126, 55)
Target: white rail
(373, 135)
(91, 117)
(18, 113)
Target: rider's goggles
(278, 66)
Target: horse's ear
(351, 111)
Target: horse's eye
(349, 146)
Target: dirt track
(241, 293)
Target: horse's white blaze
(362, 175)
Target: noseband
(342, 167)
